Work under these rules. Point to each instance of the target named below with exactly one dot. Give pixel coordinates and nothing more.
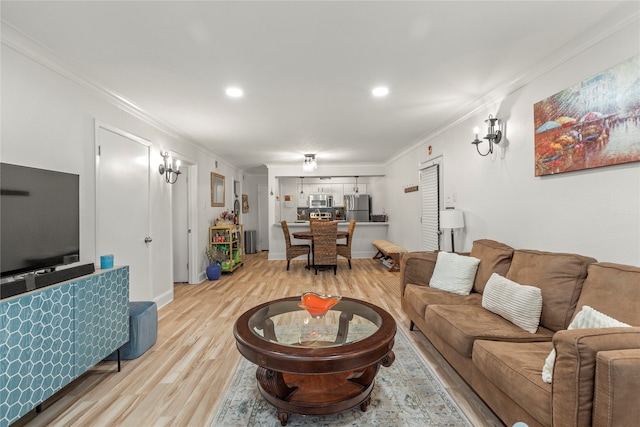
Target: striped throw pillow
(454, 273)
(519, 304)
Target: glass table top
(287, 324)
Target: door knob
(148, 239)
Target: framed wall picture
(245, 203)
(591, 124)
(217, 190)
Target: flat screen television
(40, 219)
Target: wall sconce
(309, 164)
(494, 136)
(169, 169)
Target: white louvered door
(430, 207)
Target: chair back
(287, 236)
(352, 226)
(325, 251)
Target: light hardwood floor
(181, 380)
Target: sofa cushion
(586, 318)
(514, 368)
(519, 304)
(559, 276)
(460, 326)
(613, 289)
(495, 257)
(454, 273)
(419, 297)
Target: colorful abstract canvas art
(591, 124)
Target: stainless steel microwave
(320, 201)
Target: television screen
(40, 219)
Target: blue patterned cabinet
(51, 336)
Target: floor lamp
(451, 218)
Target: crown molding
(619, 19)
(24, 45)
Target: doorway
(430, 202)
(263, 217)
(183, 218)
(180, 229)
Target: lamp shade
(451, 218)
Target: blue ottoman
(143, 330)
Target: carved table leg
(365, 377)
(283, 416)
(388, 359)
(365, 405)
(273, 383)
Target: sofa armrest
(416, 268)
(574, 370)
(617, 388)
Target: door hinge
(99, 150)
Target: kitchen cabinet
(351, 188)
(337, 191)
(228, 240)
(319, 189)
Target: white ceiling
(307, 68)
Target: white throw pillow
(585, 319)
(519, 304)
(454, 273)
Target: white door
(122, 204)
(430, 207)
(180, 227)
(263, 215)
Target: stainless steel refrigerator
(358, 207)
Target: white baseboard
(164, 299)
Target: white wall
(593, 212)
(48, 122)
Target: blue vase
(213, 271)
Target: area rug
(407, 393)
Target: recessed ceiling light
(380, 91)
(234, 92)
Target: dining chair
(293, 251)
(325, 252)
(344, 250)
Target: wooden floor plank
(182, 379)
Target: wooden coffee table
(316, 365)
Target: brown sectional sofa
(596, 379)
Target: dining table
(308, 235)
